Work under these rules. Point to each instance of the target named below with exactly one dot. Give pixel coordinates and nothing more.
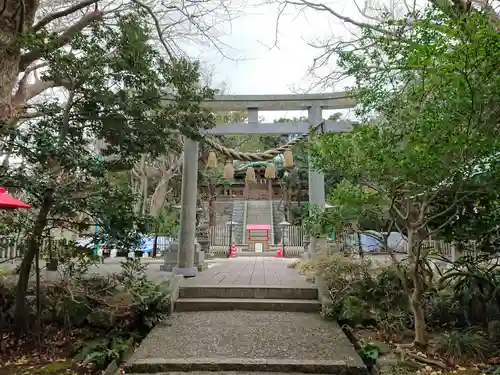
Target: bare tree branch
(63, 39)
(62, 13)
(157, 26)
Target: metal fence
(9, 248)
(218, 235)
(439, 248)
(292, 235)
(12, 248)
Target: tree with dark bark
(429, 98)
(31, 29)
(113, 80)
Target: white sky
(257, 67)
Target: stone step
(251, 341)
(246, 304)
(222, 373)
(241, 366)
(248, 291)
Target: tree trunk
(53, 262)
(420, 339)
(15, 17)
(155, 246)
(360, 245)
(9, 68)
(211, 208)
(25, 268)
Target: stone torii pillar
(316, 181)
(187, 235)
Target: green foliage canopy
(429, 92)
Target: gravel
(247, 334)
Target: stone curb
(174, 285)
(111, 369)
(323, 294)
(155, 365)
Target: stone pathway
(249, 271)
(246, 340)
(275, 337)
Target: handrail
(272, 223)
(245, 210)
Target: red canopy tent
(8, 201)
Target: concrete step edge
(248, 286)
(246, 300)
(248, 292)
(157, 365)
(221, 373)
(247, 304)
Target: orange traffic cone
(234, 252)
(278, 252)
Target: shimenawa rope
(260, 156)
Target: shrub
(476, 284)
(354, 311)
(463, 346)
(443, 311)
(363, 295)
(494, 332)
(103, 351)
(306, 268)
(125, 303)
(389, 288)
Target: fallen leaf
(21, 361)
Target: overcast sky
(257, 66)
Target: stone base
(168, 267)
(199, 257)
(171, 258)
(202, 267)
(186, 272)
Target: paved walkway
(267, 341)
(240, 342)
(262, 271)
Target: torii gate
(313, 103)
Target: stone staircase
(278, 217)
(246, 318)
(249, 298)
(259, 212)
(239, 217)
